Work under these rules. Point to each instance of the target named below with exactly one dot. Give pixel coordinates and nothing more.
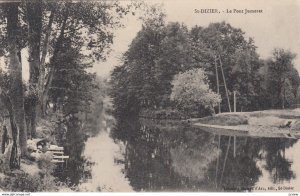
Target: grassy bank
(33, 176)
(267, 118)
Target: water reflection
(106, 173)
(171, 156)
(276, 163)
(78, 166)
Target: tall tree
(16, 94)
(157, 53)
(86, 24)
(282, 78)
(34, 12)
(225, 47)
(50, 26)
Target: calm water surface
(144, 155)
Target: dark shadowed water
(170, 156)
(145, 155)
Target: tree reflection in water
(241, 172)
(276, 163)
(73, 143)
(192, 157)
(171, 156)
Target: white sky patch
(25, 64)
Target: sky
(277, 26)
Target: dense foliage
(282, 79)
(148, 79)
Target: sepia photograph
(150, 96)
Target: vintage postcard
(150, 96)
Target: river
(144, 155)
(106, 174)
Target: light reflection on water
(106, 174)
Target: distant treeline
(160, 51)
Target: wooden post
(234, 101)
(226, 90)
(218, 85)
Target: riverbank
(33, 176)
(268, 123)
(36, 172)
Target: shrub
(45, 164)
(191, 90)
(167, 113)
(225, 120)
(29, 183)
(33, 182)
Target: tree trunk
(16, 93)
(42, 106)
(57, 48)
(14, 162)
(46, 91)
(11, 157)
(34, 17)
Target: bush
(191, 90)
(162, 114)
(45, 164)
(225, 120)
(29, 183)
(39, 181)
